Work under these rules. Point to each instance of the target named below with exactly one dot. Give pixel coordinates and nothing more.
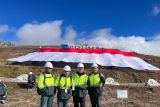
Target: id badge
(66, 90)
(73, 88)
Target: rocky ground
(141, 96)
(5, 44)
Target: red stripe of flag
(88, 51)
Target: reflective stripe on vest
(79, 80)
(49, 81)
(64, 82)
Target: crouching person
(3, 92)
(46, 86)
(95, 83)
(31, 80)
(64, 83)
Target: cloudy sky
(130, 25)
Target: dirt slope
(120, 74)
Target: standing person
(46, 86)
(31, 80)
(64, 83)
(96, 81)
(79, 86)
(3, 92)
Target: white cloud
(40, 33)
(156, 10)
(4, 29)
(103, 37)
(51, 33)
(157, 37)
(70, 35)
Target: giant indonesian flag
(103, 57)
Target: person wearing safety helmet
(96, 81)
(79, 86)
(46, 86)
(31, 80)
(64, 84)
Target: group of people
(68, 84)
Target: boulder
(22, 78)
(111, 81)
(152, 83)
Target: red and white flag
(103, 57)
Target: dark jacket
(96, 90)
(80, 91)
(31, 79)
(61, 94)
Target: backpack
(2, 89)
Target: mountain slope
(120, 74)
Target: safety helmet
(48, 65)
(80, 65)
(30, 73)
(67, 68)
(94, 65)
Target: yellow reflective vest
(94, 79)
(49, 81)
(80, 80)
(64, 82)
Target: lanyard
(93, 79)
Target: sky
(130, 25)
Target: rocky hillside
(5, 44)
(120, 74)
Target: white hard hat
(67, 68)
(48, 65)
(0, 80)
(80, 65)
(30, 73)
(94, 65)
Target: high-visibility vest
(94, 79)
(64, 82)
(49, 80)
(79, 80)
